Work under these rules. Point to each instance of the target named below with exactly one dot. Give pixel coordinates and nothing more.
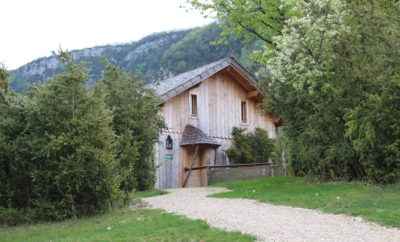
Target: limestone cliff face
(152, 58)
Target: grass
(150, 193)
(122, 225)
(377, 204)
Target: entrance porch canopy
(194, 136)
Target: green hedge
(61, 155)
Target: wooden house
(200, 108)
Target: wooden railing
(229, 166)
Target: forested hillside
(152, 58)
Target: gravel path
(269, 222)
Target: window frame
(194, 107)
(244, 119)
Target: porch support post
(196, 151)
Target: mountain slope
(152, 58)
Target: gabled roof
(194, 136)
(174, 86)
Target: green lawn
(136, 196)
(151, 193)
(377, 204)
(123, 225)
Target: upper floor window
(193, 100)
(243, 108)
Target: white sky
(34, 28)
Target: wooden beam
(252, 94)
(231, 166)
(196, 151)
(235, 76)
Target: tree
(136, 122)
(59, 148)
(327, 83)
(372, 124)
(333, 68)
(3, 82)
(3, 78)
(14, 168)
(197, 48)
(306, 93)
(260, 19)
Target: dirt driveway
(269, 222)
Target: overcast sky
(34, 28)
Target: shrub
(66, 151)
(12, 217)
(250, 147)
(375, 132)
(137, 123)
(57, 150)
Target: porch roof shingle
(194, 136)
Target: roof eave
(193, 81)
(230, 61)
(247, 75)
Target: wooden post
(215, 156)
(196, 151)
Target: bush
(250, 147)
(12, 217)
(137, 123)
(57, 150)
(66, 151)
(375, 132)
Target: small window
(193, 99)
(244, 112)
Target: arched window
(169, 143)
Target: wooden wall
(168, 162)
(225, 97)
